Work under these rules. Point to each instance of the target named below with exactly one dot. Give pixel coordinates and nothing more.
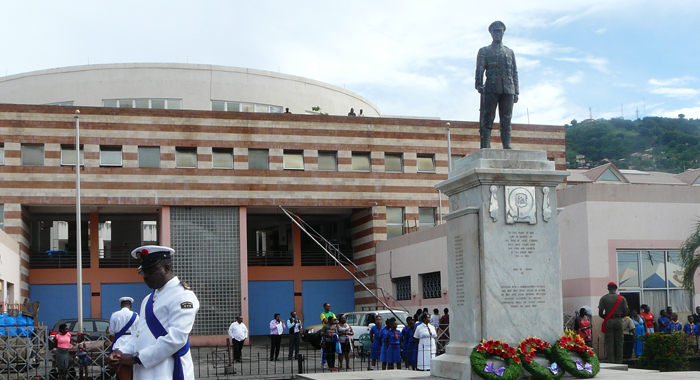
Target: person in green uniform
(612, 311)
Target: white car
(360, 321)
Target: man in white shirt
(160, 348)
(121, 318)
(294, 326)
(276, 330)
(238, 333)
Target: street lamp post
(78, 238)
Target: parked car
(360, 321)
(93, 328)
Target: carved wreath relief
(520, 205)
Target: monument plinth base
(503, 253)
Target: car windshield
(401, 314)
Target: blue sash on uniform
(158, 330)
(123, 331)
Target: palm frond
(690, 256)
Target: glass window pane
(68, 155)
(257, 159)
(656, 299)
(628, 269)
(679, 300)
(174, 104)
(217, 105)
(141, 103)
(674, 269)
(186, 157)
(245, 107)
(110, 103)
(262, 108)
(149, 157)
(110, 156)
(327, 161)
(33, 155)
(233, 106)
(393, 231)
(222, 158)
(426, 163)
(609, 176)
(654, 269)
(426, 217)
(275, 109)
(393, 163)
(361, 162)
(394, 215)
(158, 104)
(294, 160)
(2, 155)
(126, 103)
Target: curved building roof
(175, 85)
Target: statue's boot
(485, 138)
(505, 138)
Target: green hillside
(652, 143)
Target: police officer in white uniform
(121, 318)
(160, 347)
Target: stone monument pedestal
(503, 253)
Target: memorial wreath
(584, 364)
(488, 371)
(531, 347)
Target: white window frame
(422, 225)
(424, 156)
(393, 223)
(68, 150)
(400, 157)
(111, 148)
(179, 150)
(291, 154)
(43, 151)
(361, 155)
(216, 151)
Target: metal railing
(270, 258)
(56, 259)
(114, 258)
(321, 258)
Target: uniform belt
(127, 333)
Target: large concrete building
(208, 183)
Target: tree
(691, 260)
(681, 116)
(574, 122)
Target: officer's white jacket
(119, 319)
(175, 307)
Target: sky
(575, 58)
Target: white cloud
(601, 31)
(546, 103)
(597, 63)
(674, 92)
(672, 81)
(576, 78)
(690, 112)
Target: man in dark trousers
(612, 308)
(294, 326)
(501, 89)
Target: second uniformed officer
(501, 89)
(160, 348)
(612, 308)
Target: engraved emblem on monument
(493, 206)
(520, 205)
(546, 208)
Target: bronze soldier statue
(501, 89)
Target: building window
(2, 154)
(426, 217)
(258, 159)
(222, 158)
(171, 104)
(68, 103)
(110, 155)
(2, 217)
(149, 157)
(68, 155)
(394, 222)
(185, 157)
(33, 154)
(361, 162)
(293, 160)
(426, 163)
(328, 161)
(431, 285)
(403, 288)
(247, 107)
(654, 278)
(393, 163)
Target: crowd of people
(624, 328)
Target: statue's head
(497, 28)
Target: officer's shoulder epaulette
(184, 285)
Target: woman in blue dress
(384, 333)
(639, 330)
(376, 339)
(664, 322)
(393, 350)
(410, 354)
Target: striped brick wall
(17, 226)
(368, 193)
